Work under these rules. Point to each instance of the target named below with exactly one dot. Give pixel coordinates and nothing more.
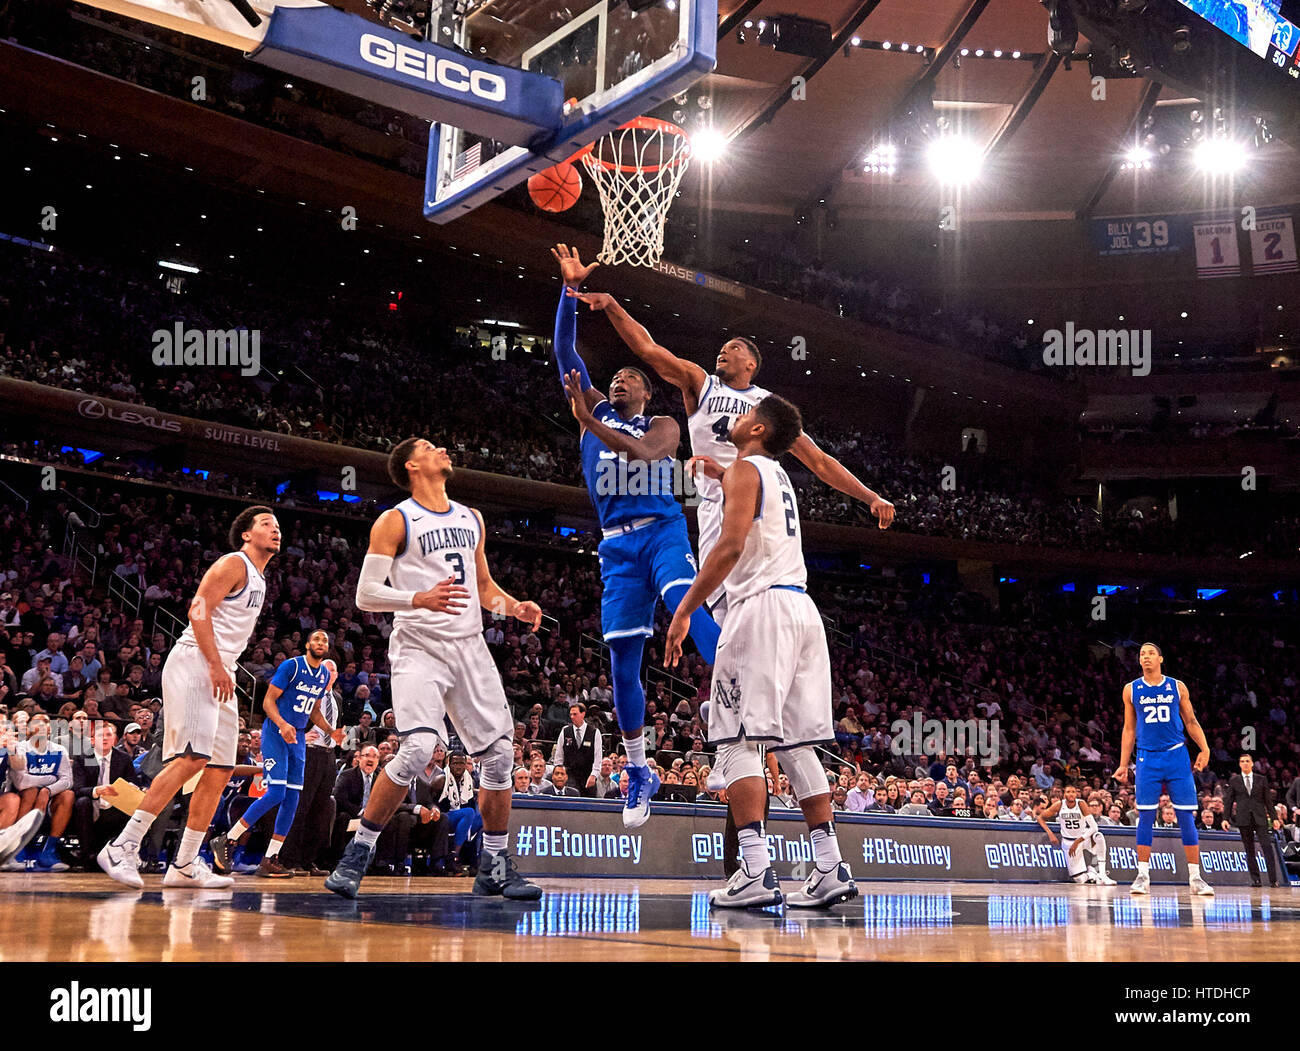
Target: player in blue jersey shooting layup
(646, 553)
(1158, 716)
(292, 702)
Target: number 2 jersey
(301, 688)
(773, 551)
(439, 544)
(1159, 718)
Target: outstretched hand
(577, 400)
(595, 300)
(571, 268)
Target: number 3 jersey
(773, 552)
(1159, 719)
(439, 544)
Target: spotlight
(708, 144)
(1139, 157)
(1220, 156)
(954, 160)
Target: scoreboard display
(1269, 28)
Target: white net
(637, 170)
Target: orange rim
(640, 124)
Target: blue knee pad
(284, 816)
(704, 629)
(1187, 826)
(263, 806)
(629, 697)
(1146, 827)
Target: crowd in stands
(72, 653)
(87, 327)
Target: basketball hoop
(637, 169)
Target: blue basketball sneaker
(642, 783)
(347, 874)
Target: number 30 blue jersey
(301, 687)
(1159, 719)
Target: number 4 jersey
(439, 544)
(773, 552)
(1159, 720)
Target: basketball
(556, 189)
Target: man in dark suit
(94, 818)
(1246, 805)
(351, 794)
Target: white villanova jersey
(439, 544)
(234, 619)
(710, 424)
(773, 553)
(1072, 825)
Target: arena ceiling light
(1137, 158)
(708, 144)
(184, 268)
(1220, 156)
(954, 159)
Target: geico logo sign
(412, 62)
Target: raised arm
(837, 476)
(685, 375)
(566, 326)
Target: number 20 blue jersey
(1159, 720)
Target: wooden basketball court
(87, 918)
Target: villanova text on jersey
(446, 536)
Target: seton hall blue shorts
(1172, 768)
(283, 764)
(637, 568)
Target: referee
(311, 829)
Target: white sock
(753, 848)
(1144, 868)
(1193, 871)
(135, 828)
(189, 848)
(635, 748)
(495, 842)
(237, 833)
(274, 848)
(368, 836)
(826, 848)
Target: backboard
(615, 62)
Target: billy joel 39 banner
(586, 838)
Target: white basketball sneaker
(1141, 885)
(196, 874)
(122, 863)
(821, 890)
(1100, 877)
(1199, 886)
(18, 835)
(744, 891)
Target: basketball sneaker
(744, 891)
(821, 889)
(642, 784)
(222, 850)
(347, 874)
(1199, 886)
(1101, 878)
(270, 868)
(16, 837)
(1141, 885)
(196, 874)
(498, 876)
(122, 863)
(48, 859)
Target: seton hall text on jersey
(446, 536)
